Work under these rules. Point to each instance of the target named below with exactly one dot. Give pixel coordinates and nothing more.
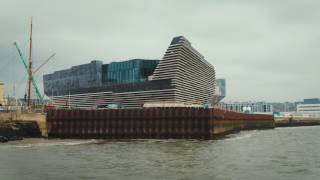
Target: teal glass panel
(128, 71)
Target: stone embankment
(17, 130)
(17, 125)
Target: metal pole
(30, 68)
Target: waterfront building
(183, 76)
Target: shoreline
(11, 131)
(44, 141)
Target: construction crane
(40, 97)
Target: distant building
(220, 89)
(309, 107)
(2, 100)
(248, 107)
(311, 101)
(183, 76)
(284, 106)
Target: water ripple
(283, 153)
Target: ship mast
(30, 68)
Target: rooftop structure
(183, 76)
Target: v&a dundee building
(182, 76)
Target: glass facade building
(77, 77)
(96, 74)
(182, 76)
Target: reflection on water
(283, 153)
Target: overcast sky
(265, 49)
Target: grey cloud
(267, 50)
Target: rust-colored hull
(151, 123)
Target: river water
(282, 153)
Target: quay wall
(151, 123)
(16, 116)
(298, 122)
(225, 122)
(17, 130)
